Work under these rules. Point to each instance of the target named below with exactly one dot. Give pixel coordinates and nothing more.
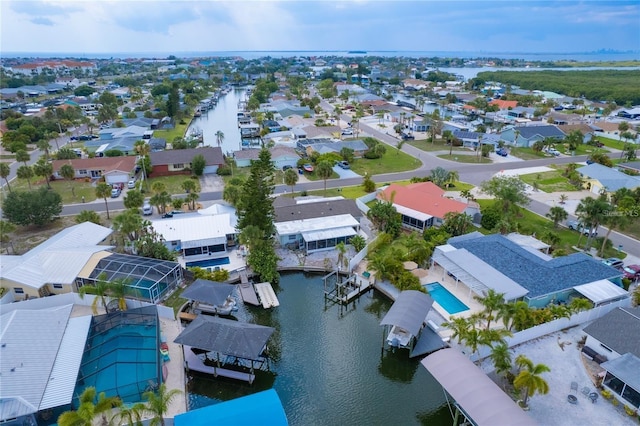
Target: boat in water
(226, 308)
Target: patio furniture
(572, 399)
(593, 396)
(586, 391)
(574, 387)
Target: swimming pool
(209, 262)
(448, 301)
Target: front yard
(551, 181)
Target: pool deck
(176, 378)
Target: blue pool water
(209, 262)
(448, 301)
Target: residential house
(122, 132)
(522, 272)
(178, 161)
(503, 105)
(615, 337)
(280, 156)
(470, 139)
(115, 170)
(526, 136)
(315, 224)
(598, 178)
(53, 266)
(423, 205)
(322, 146)
(585, 129)
(630, 114)
(199, 236)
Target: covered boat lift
(231, 348)
(407, 318)
(210, 297)
(475, 396)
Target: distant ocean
(601, 55)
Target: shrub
(606, 394)
(371, 155)
(630, 411)
(490, 218)
(224, 170)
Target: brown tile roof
(504, 104)
(425, 197)
(568, 128)
(606, 126)
(106, 164)
(212, 155)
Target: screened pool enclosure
(147, 279)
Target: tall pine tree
(255, 218)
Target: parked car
(408, 137)
(115, 192)
(553, 152)
(347, 132)
(344, 164)
(631, 272)
(147, 210)
(614, 262)
(286, 167)
(501, 152)
(577, 226)
(131, 184)
(167, 215)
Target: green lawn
(530, 223)
(173, 183)
(551, 181)
(175, 301)
(438, 145)
(466, 158)
(611, 143)
(391, 162)
(62, 187)
(526, 153)
(169, 135)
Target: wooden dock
(187, 316)
(247, 291)
(266, 295)
(344, 291)
(193, 362)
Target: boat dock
(342, 290)
(194, 363)
(266, 295)
(247, 291)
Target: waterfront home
(178, 161)
(315, 224)
(281, 156)
(321, 146)
(423, 205)
(520, 272)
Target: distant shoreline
(595, 56)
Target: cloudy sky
(150, 26)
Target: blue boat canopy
(259, 409)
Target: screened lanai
(476, 274)
(148, 279)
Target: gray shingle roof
(537, 275)
(610, 178)
(317, 209)
(619, 330)
(528, 132)
(212, 155)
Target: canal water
(328, 366)
(223, 117)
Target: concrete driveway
(345, 173)
(211, 183)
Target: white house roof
(601, 291)
(412, 213)
(37, 347)
(195, 230)
(345, 231)
(57, 260)
(315, 224)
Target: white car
(553, 152)
(347, 132)
(131, 184)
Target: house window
(292, 237)
(18, 290)
(57, 286)
(82, 172)
(178, 166)
(174, 243)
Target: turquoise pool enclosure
(448, 301)
(122, 356)
(147, 279)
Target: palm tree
(324, 171)
(342, 249)
(23, 156)
(501, 357)
(506, 313)
(188, 185)
(89, 409)
(158, 403)
(142, 149)
(25, 172)
(43, 168)
(192, 197)
(100, 288)
(529, 378)
(219, 137)
(158, 187)
(161, 201)
(118, 289)
(453, 177)
(103, 190)
(592, 212)
(563, 198)
(492, 302)
(131, 415)
(557, 214)
(67, 172)
(460, 327)
(290, 179)
(5, 171)
(613, 222)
